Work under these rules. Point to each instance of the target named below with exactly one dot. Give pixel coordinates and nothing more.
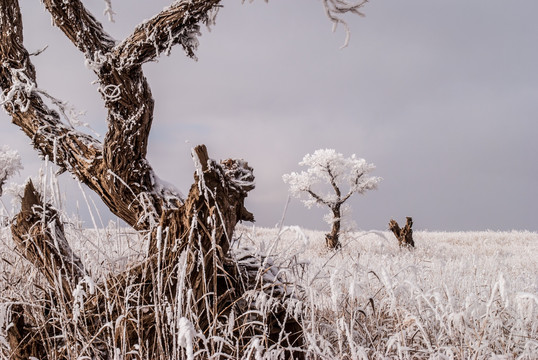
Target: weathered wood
(199, 227)
(39, 236)
(405, 234)
(214, 284)
(333, 238)
(23, 341)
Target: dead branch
(39, 236)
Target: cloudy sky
(441, 96)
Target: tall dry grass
(456, 296)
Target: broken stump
(405, 234)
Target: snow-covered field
(456, 296)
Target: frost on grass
(459, 296)
(10, 164)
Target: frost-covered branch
(130, 105)
(335, 9)
(177, 24)
(332, 180)
(109, 12)
(80, 26)
(21, 99)
(70, 149)
(319, 199)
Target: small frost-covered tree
(329, 167)
(10, 164)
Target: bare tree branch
(69, 149)
(318, 198)
(177, 24)
(80, 26)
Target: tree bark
(333, 238)
(198, 232)
(188, 269)
(405, 234)
(39, 237)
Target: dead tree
(405, 234)
(194, 238)
(188, 272)
(195, 231)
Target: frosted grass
(458, 295)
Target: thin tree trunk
(333, 238)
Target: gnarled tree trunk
(188, 262)
(188, 276)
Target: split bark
(215, 285)
(405, 234)
(200, 226)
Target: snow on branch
(18, 95)
(177, 24)
(22, 99)
(80, 26)
(335, 9)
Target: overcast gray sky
(441, 96)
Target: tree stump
(405, 234)
(188, 278)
